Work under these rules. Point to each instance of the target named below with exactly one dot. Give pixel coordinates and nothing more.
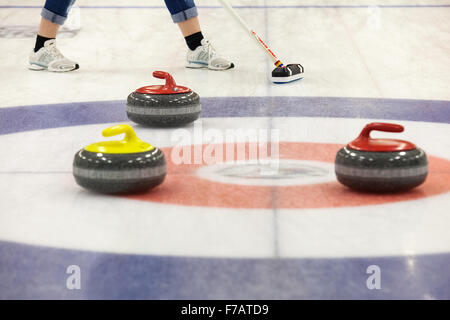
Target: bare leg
(47, 59)
(48, 29)
(189, 27)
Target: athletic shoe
(49, 58)
(206, 57)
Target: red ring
(183, 187)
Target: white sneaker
(206, 57)
(49, 58)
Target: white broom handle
(230, 9)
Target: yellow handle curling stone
(119, 167)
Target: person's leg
(48, 29)
(201, 54)
(185, 15)
(45, 55)
(53, 15)
(189, 27)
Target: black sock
(40, 40)
(194, 40)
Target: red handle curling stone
(381, 165)
(167, 105)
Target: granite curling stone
(167, 105)
(381, 165)
(119, 167)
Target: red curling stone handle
(366, 143)
(170, 87)
(380, 126)
(170, 82)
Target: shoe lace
(207, 47)
(55, 52)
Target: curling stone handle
(130, 136)
(170, 82)
(380, 126)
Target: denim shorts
(57, 10)
(181, 10)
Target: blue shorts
(57, 10)
(181, 10)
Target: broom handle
(234, 14)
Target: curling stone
(381, 165)
(167, 105)
(126, 166)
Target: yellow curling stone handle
(130, 143)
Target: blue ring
(27, 118)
